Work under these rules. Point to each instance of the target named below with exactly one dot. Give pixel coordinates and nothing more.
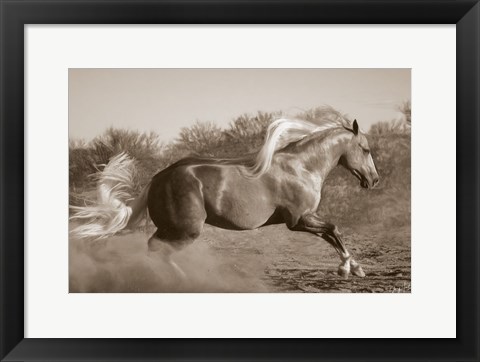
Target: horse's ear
(355, 127)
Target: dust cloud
(269, 259)
(121, 264)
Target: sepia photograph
(239, 180)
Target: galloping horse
(282, 183)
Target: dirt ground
(270, 259)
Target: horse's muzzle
(369, 184)
(366, 183)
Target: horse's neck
(320, 156)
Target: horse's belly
(233, 201)
(247, 211)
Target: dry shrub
(86, 159)
(200, 138)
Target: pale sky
(164, 100)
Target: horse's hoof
(343, 272)
(358, 271)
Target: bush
(200, 138)
(406, 109)
(86, 159)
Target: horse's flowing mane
(284, 131)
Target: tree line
(343, 200)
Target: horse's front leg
(312, 223)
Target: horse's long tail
(111, 213)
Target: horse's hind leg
(158, 248)
(163, 243)
(177, 208)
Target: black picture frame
(15, 14)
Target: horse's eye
(365, 150)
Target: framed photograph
(200, 180)
(239, 180)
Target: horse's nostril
(375, 182)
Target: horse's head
(358, 160)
